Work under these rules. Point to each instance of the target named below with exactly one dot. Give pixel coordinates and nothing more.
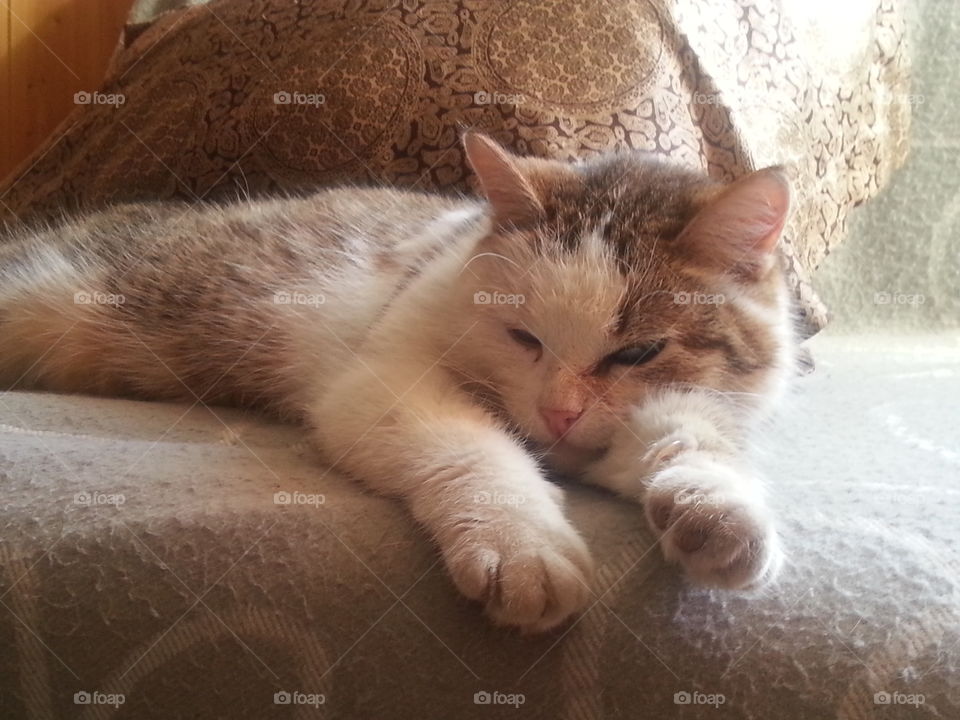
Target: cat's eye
(636, 354)
(527, 339)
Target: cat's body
(625, 319)
(236, 304)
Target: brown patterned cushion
(378, 91)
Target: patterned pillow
(271, 95)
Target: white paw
(713, 523)
(530, 572)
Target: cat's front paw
(713, 523)
(529, 572)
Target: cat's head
(606, 280)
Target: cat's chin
(566, 456)
(571, 445)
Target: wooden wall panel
(5, 99)
(52, 49)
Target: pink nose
(560, 421)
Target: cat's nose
(560, 421)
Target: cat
(619, 319)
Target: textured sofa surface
(202, 596)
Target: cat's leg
(680, 456)
(498, 522)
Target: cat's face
(606, 281)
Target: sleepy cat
(619, 319)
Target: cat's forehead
(588, 296)
(571, 299)
(583, 305)
(604, 248)
(631, 202)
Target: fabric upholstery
(378, 91)
(201, 597)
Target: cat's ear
(510, 183)
(739, 227)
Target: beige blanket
(145, 554)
